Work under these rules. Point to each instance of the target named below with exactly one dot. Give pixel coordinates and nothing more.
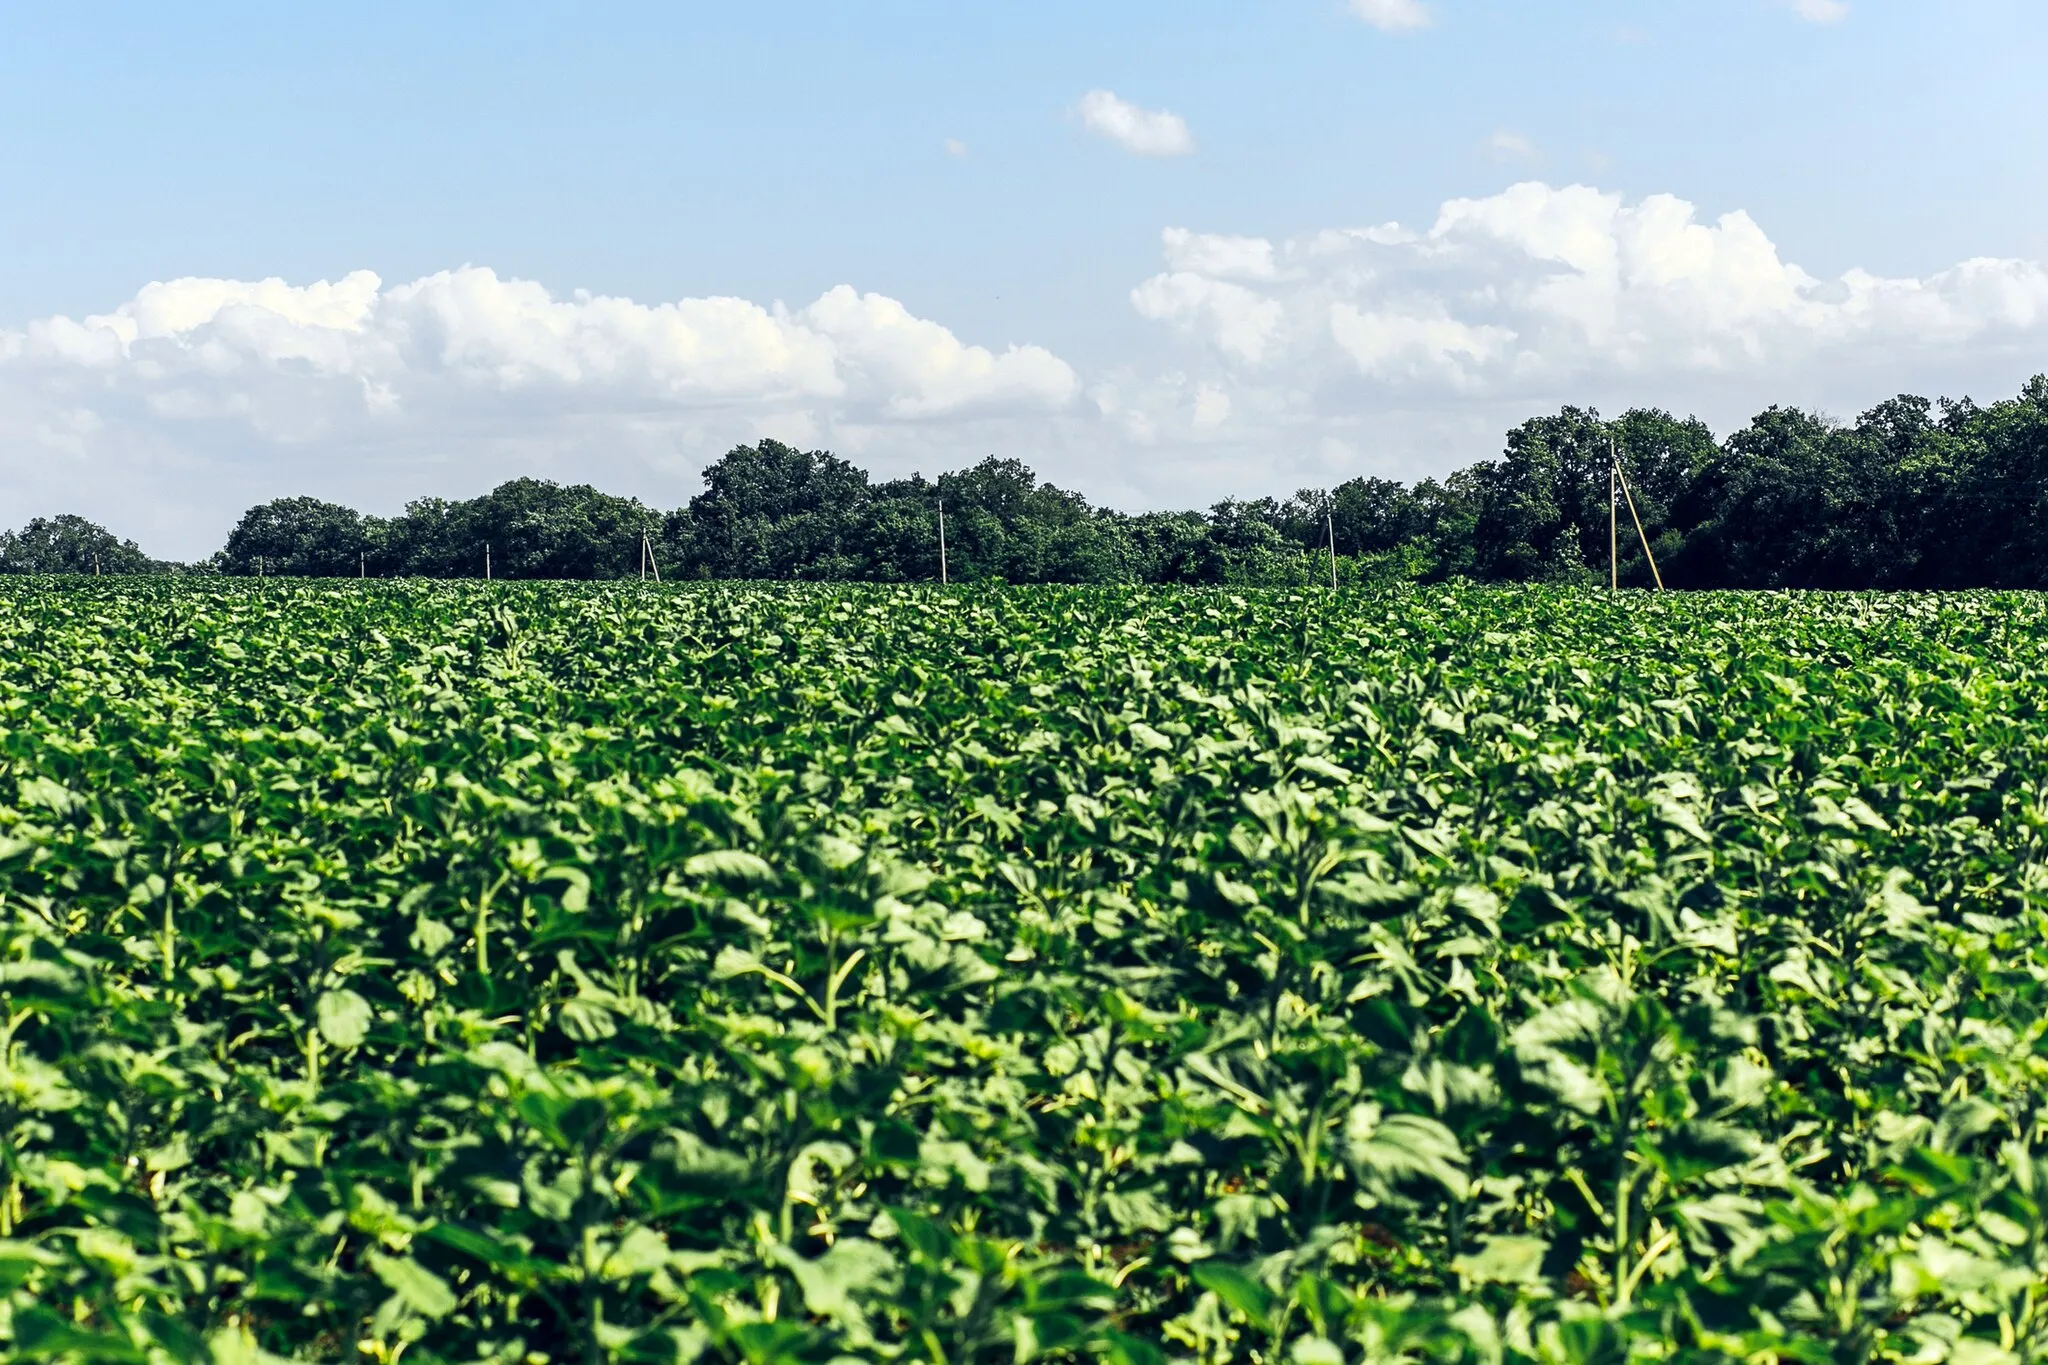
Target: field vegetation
(581, 973)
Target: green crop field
(589, 973)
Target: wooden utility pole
(1330, 523)
(1613, 534)
(1614, 464)
(942, 542)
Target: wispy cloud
(955, 147)
(1145, 132)
(1396, 16)
(1508, 143)
(1821, 11)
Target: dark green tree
(529, 528)
(1758, 512)
(1003, 524)
(1172, 547)
(1662, 457)
(1249, 543)
(1374, 516)
(1887, 479)
(773, 511)
(1991, 528)
(897, 537)
(69, 544)
(300, 537)
(1543, 508)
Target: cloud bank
(1536, 289)
(467, 337)
(1250, 364)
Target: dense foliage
(535, 973)
(72, 545)
(1912, 495)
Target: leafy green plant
(616, 973)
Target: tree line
(1913, 494)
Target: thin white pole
(487, 563)
(942, 541)
(362, 564)
(1613, 535)
(1330, 521)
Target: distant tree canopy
(68, 544)
(303, 537)
(529, 527)
(1913, 494)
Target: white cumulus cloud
(466, 335)
(466, 377)
(1145, 132)
(1393, 16)
(1534, 288)
(1243, 258)
(1407, 351)
(1241, 322)
(915, 368)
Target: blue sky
(940, 159)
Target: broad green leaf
(422, 1290)
(852, 1267)
(731, 864)
(344, 1017)
(1504, 1260)
(1235, 1288)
